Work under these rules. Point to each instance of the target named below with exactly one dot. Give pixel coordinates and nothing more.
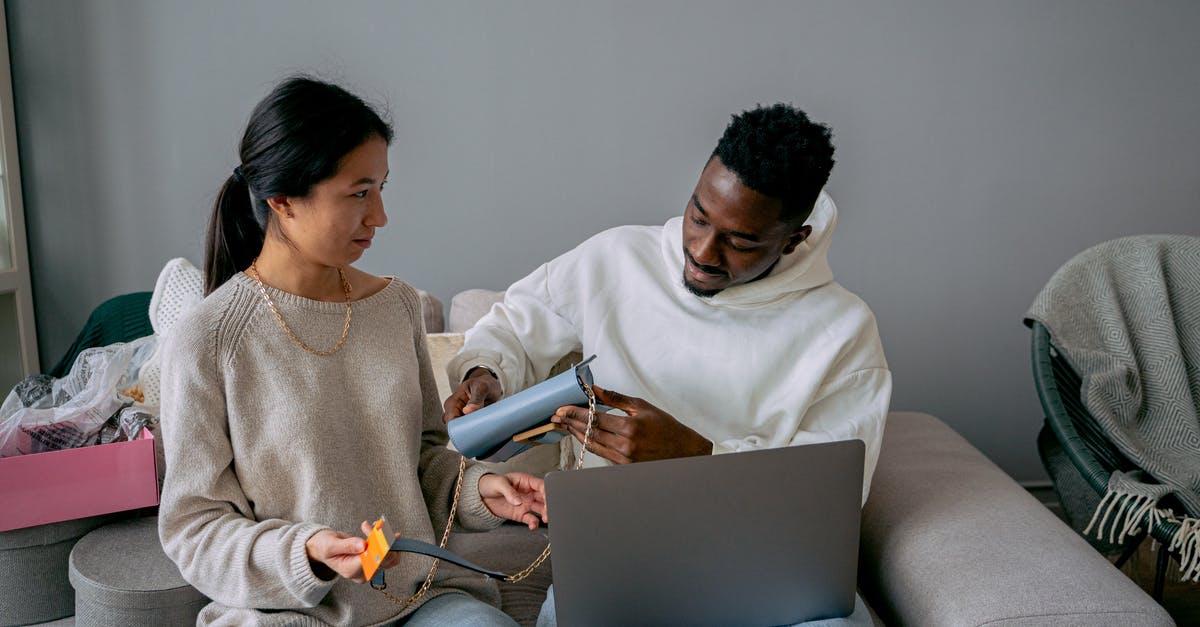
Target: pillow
(442, 348)
(431, 312)
(179, 288)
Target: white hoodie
(791, 358)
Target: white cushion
(179, 288)
(442, 348)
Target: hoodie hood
(805, 268)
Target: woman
(298, 398)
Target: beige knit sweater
(266, 444)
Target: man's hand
(644, 434)
(479, 389)
(515, 496)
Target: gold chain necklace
(462, 467)
(262, 289)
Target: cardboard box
(43, 488)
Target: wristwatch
(481, 367)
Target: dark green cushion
(121, 318)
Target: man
(721, 331)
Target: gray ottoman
(33, 570)
(122, 577)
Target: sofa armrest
(949, 539)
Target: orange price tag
(379, 541)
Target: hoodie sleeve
(521, 338)
(850, 407)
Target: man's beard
(702, 293)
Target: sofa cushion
(432, 312)
(442, 348)
(179, 288)
(468, 306)
(949, 539)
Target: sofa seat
(949, 539)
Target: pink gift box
(43, 488)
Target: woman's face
(334, 224)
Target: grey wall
(980, 144)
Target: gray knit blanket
(1126, 315)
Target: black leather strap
(408, 545)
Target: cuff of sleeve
(463, 362)
(304, 583)
(720, 448)
(472, 513)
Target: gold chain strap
(262, 289)
(462, 467)
(587, 436)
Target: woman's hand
(515, 496)
(333, 553)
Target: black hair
(778, 152)
(296, 137)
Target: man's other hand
(645, 433)
(479, 389)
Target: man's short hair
(778, 152)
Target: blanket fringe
(1123, 512)
(1187, 542)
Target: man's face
(731, 233)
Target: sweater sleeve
(521, 338)
(438, 464)
(850, 407)
(205, 520)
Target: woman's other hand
(515, 496)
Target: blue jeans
(860, 615)
(460, 610)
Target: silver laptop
(756, 538)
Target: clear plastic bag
(44, 414)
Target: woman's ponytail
(235, 237)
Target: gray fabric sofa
(947, 537)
